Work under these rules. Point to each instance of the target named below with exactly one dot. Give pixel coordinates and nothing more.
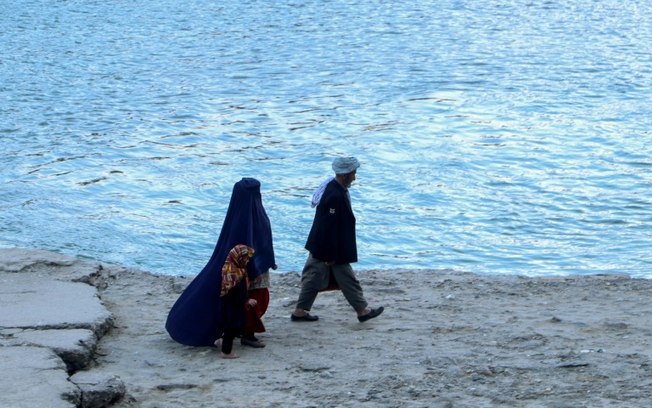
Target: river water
(497, 137)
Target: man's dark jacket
(332, 236)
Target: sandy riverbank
(446, 339)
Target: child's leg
(227, 342)
(227, 345)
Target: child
(233, 296)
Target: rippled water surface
(496, 137)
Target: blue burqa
(195, 318)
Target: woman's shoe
(305, 318)
(251, 341)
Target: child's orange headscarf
(235, 267)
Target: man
(332, 247)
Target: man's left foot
(374, 312)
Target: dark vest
(332, 236)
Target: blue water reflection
(495, 137)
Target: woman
(196, 317)
(258, 292)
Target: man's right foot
(374, 312)
(305, 318)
